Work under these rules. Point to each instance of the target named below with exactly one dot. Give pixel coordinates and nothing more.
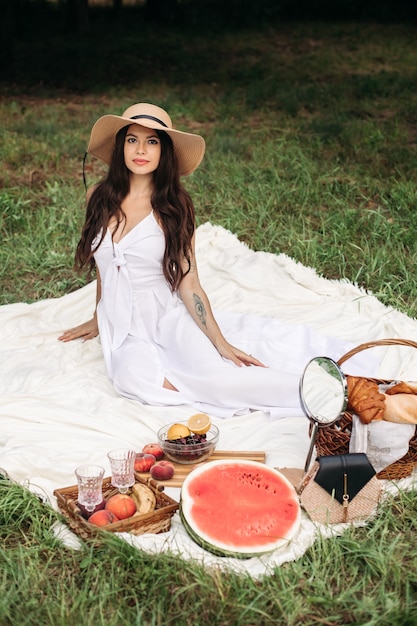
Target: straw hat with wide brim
(188, 147)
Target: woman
(161, 342)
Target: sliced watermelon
(239, 508)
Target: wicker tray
(156, 522)
(335, 439)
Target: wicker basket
(335, 439)
(156, 522)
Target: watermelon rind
(225, 549)
(210, 547)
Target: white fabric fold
(118, 297)
(383, 442)
(359, 436)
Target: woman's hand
(85, 331)
(237, 356)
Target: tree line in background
(26, 20)
(76, 14)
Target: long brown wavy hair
(170, 201)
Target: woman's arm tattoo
(200, 309)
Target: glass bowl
(190, 450)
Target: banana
(144, 498)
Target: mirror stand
(323, 396)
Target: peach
(155, 449)
(121, 505)
(144, 462)
(162, 470)
(103, 518)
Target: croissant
(398, 404)
(402, 388)
(365, 399)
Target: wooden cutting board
(181, 471)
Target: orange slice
(176, 431)
(199, 424)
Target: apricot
(162, 470)
(121, 505)
(103, 518)
(155, 449)
(144, 462)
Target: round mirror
(323, 395)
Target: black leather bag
(340, 488)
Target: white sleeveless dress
(147, 335)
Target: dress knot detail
(118, 258)
(117, 297)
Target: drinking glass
(122, 464)
(90, 481)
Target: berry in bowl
(189, 442)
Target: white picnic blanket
(58, 409)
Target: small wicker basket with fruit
(147, 509)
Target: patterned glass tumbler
(122, 464)
(90, 485)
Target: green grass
(311, 145)
(366, 576)
(311, 150)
